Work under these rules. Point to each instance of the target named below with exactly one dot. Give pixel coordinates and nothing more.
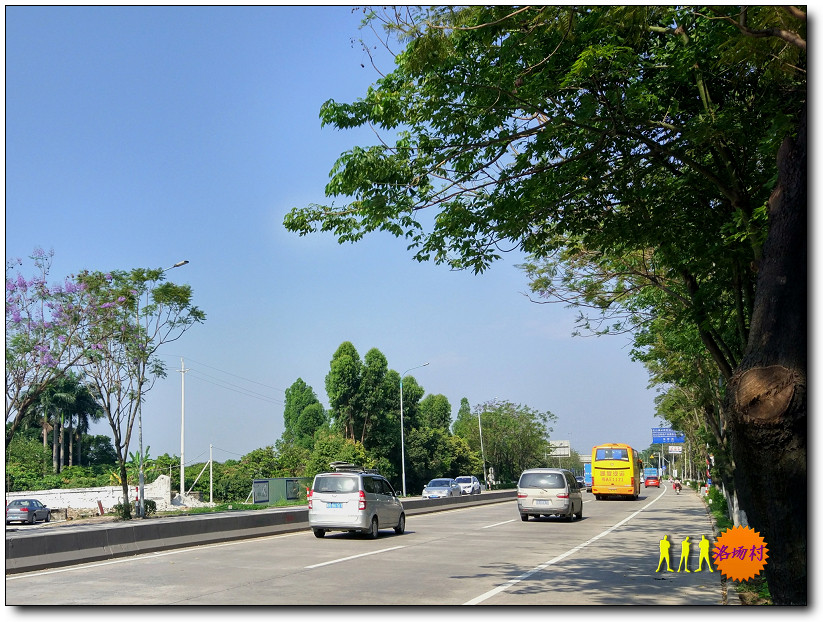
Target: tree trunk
(61, 456)
(71, 443)
(766, 396)
(124, 480)
(55, 445)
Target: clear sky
(142, 136)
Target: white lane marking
(501, 588)
(496, 524)
(345, 559)
(141, 556)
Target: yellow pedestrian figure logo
(665, 545)
(704, 545)
(684, 555)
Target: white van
(547, 492)
(354, 499)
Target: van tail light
(308, 496)
(522, 495)
(361, 503)
(563, 496)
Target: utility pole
(182, 371)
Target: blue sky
(142, 136)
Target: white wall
(158, 491)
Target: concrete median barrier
(38, 549)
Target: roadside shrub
(150, 507)
(719, 508)
(122, 511)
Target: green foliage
(97, 450)
(435, 412)
(299, 397)
(123, 511)
(719, 508)
(27, 464)
(630, 150)
(342, 387)
(150, 507)
(515, 437)
(291, 458)
(84, 477)
(330, 446)
(261, 463)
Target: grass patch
(754, 591)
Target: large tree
(515, 437)
(121, 355)
(343, 387)
(47, 329)
(643, 140)
(298, 427)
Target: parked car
(547, 492)
(652, 481)
(354, 499)
(27, 511)
(469, 484)
(442, 487)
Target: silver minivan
(354, 499)
(547, 492)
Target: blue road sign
(667, 435)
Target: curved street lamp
(141, 507)
(402, 438)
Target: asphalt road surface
(470, 556)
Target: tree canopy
(632, 153)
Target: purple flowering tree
(46, 330)
(105, 326)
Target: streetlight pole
(402, 437)
(182, 371)
(482, 451)
(141, 507)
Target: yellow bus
(616, 471)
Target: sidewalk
(676, 517)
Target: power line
(223, 384)
(237, 389)
(223, 371)
(228, 452)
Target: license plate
(334, 505)
(542, 502)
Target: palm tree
(65, 397)
(86, 408)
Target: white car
(356, 500)
(547, 492)
(469, 484)
(442, 487)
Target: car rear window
(542, 480)
(464, 480)
(336, 483)
(439, 483)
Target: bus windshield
(611, 453)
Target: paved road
(478, 555)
